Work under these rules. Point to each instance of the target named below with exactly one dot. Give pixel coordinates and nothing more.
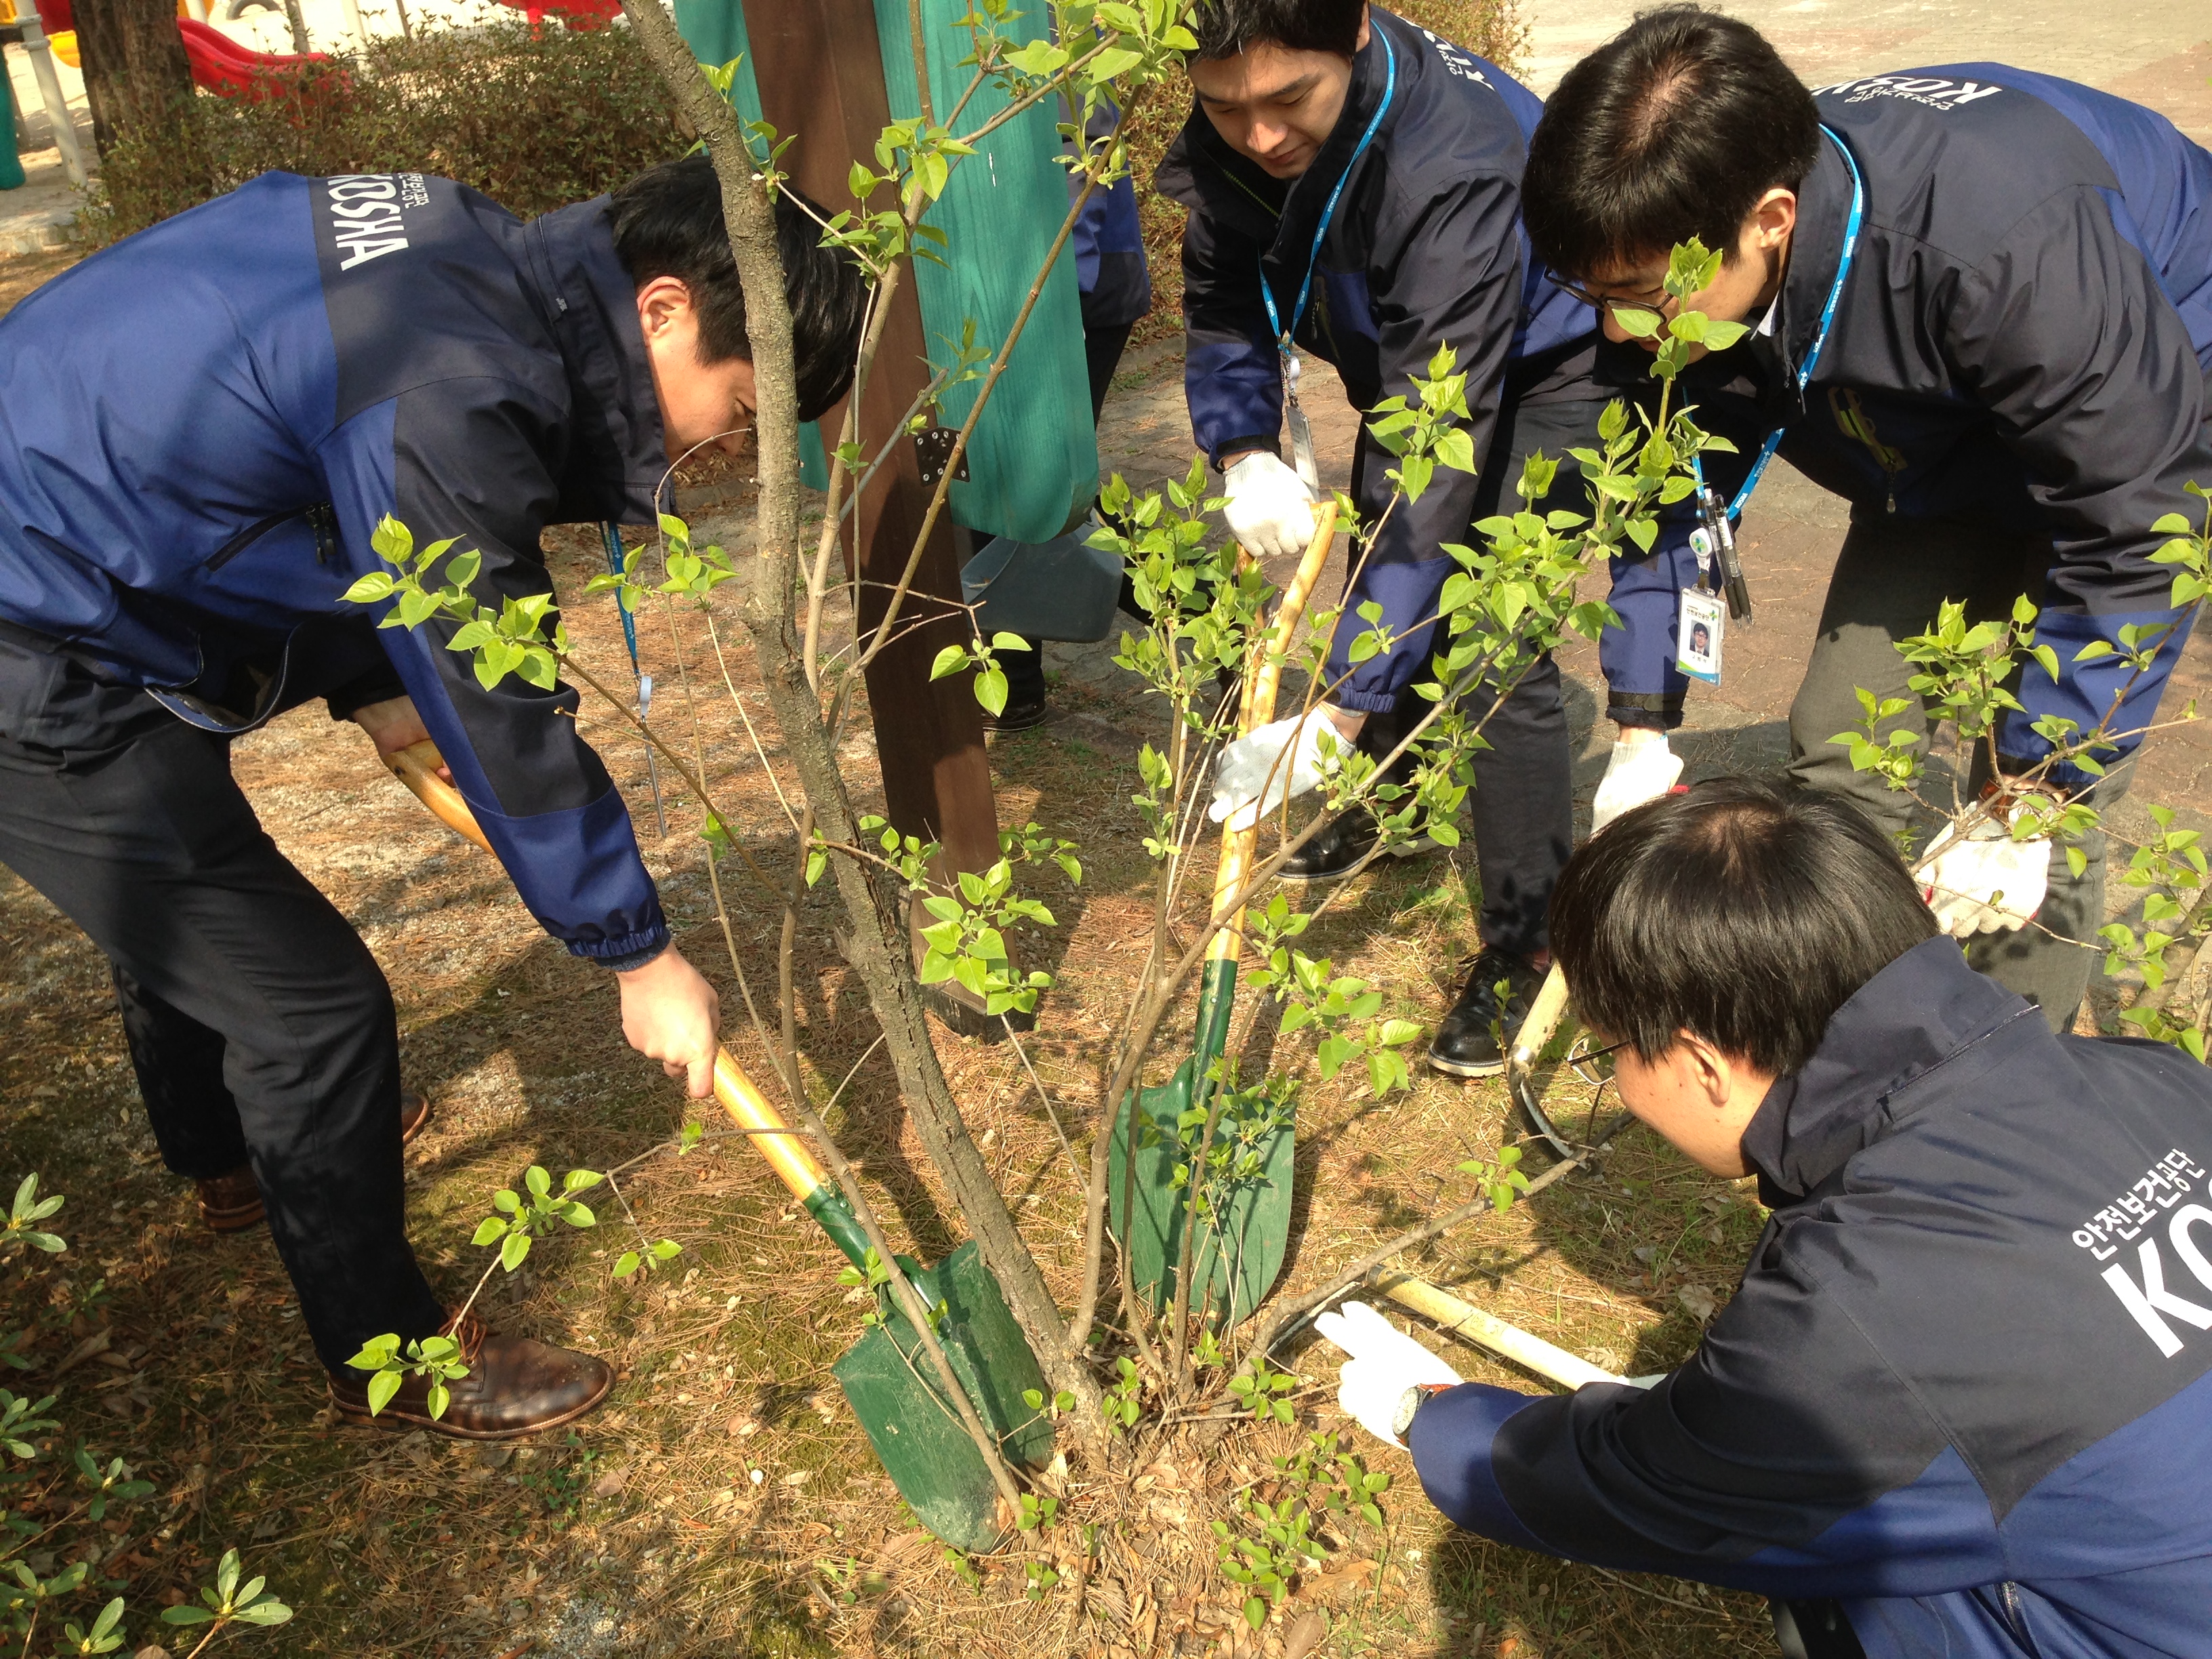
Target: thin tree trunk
(875, 942)
(136, 74)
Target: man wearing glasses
(1353, 183)
(1961, 1402)
(1981, 311)
(200, 429)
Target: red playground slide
(575, 14)
(223, 66)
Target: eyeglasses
(1655, 300)
(1582, 1059)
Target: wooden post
(821, 78)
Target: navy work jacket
(2021, 342)
(1962, 1386)
(200, 427)
(1424, 249)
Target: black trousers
(260, 1027)
(1523, 802)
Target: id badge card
(1700, 629)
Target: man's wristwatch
(1409, 1404)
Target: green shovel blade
(1238, 1252)
(894, 1390)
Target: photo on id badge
(1699, 635)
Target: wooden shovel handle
(1267, 679)
(1543, 1020)
(416, 766)
(788, 1153)
(1470, 1324)
(1258, 709)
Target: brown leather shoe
(515, 1386)
(230, 1203)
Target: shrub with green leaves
(535, 117)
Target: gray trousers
(1890, 578)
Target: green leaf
(377, 584)
(950, 660)
(991, 690)
(192, 1615)
(276, 1612)
(513, 1251)
(392, 541)
(490, 1230)
(381, 1387)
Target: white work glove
(1287, 756)
(1270, 511)
(1637, 772)
(1985, 882)
(1385, 1365)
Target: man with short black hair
(199, 429)
(1961, 1402)
(1354, 189)
(1981, 303)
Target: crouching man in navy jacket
(1958, 1405)
(1980, 304)
(199, 427)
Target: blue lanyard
(1804, 373)
(1305, 289)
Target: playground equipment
(230, 71)
(27, 14)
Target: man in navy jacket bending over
(1981, 311)
(199, 427)
(1959, 1404)
(1362, 177)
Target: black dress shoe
(231, 1202)
(1468, 1043)
(516, 1385)
(1018, 715)
(1338, 847)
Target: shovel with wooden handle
(887, 1377)
(1537, 1029)
(1235, 1257)
(1470, 1324)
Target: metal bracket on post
(49, 89)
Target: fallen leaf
(95, 1343)
(743, 1428)
(1307, 1631)
(1697, 1300)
